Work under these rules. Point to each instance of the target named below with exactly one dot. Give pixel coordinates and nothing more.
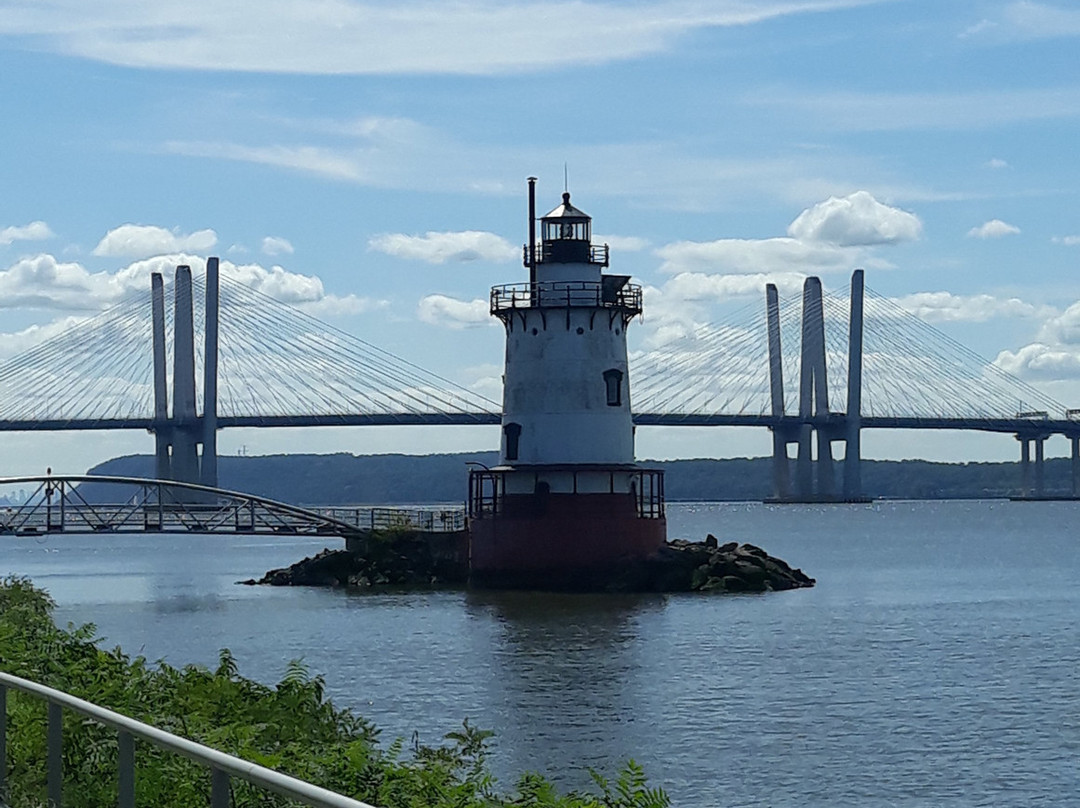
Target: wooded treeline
(347, 479)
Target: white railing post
(219, 788)
(125, 772)
(3, 740)
(54, 756)
(222, 766)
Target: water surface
(935, 663)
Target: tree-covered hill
(397, 479)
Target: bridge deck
(1048, 426)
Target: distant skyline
(367, 161)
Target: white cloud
(396, 153)
(871, 112)
(759, 256)
(453, 313)
(439, 248)
(142, 241)
(274, 245)
(15, 343)
(995, 228)
(44, 282)
(941, 307)
(996, 163)
(335, 306)
(35, 231)
(856, 220)
(1027, 20)
(977, 28)
(1064, 329)
(622, 243)
(1068, 241)
(831, 236)
(699, 287)
(1038, 361)
(674, 310)
(470, 37)
(1054, 355)
(485, 380)
(323, 162)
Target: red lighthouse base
(559, 541)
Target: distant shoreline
(397, 479)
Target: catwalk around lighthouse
(567, 500)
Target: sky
(367, 162)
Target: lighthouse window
(613, 385)
(513, 436)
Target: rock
(406, 559)
(684, 566)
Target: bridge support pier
(1075, 441)
(177, 437)
(1040, 478)
(185, 437)
(162, 466)
(1025, 466)
(1038, 488)
(781, 474)
(853, 421)
(816, 428)
(208, 470)
(815, 477)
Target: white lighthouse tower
(567, 499)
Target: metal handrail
(440, 519)
(222, 765)
(564, 294)
(598, 253)
(154, 498)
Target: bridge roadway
(1069, 427)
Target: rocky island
(406, 558)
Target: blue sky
(381, 150)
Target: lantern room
(566, 237)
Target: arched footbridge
(100, 504)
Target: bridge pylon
(180, 432)
(816, 426)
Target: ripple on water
(934, 664)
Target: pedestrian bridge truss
(64, 505)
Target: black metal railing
(487, 490)
(566, 252)
(565, 294)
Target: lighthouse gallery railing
(565, 293)
(487, 490)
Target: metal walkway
(57, 505)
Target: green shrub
(291, 727)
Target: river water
(935, 663)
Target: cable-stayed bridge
(816, 371)
(820, 369)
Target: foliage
(290, 727)
(386, 479)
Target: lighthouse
(567, 499)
